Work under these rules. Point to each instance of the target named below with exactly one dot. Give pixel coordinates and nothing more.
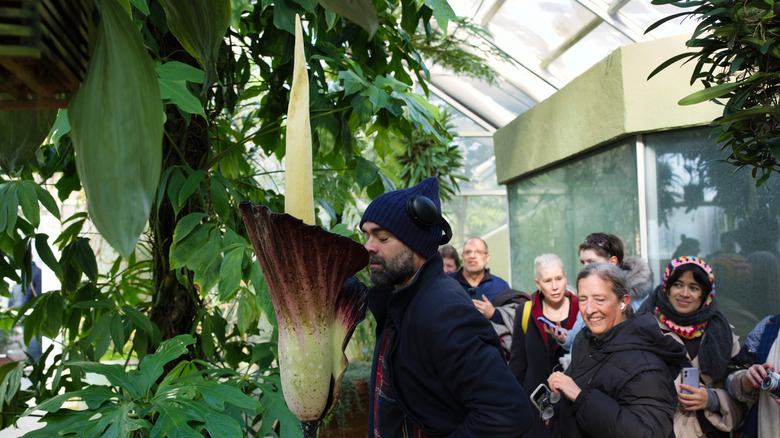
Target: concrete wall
(612, 100)
(498, 244)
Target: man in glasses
(437, 368)
(477, 280)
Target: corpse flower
(317, 305)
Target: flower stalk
(298, 179)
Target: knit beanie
(388, 210)
(684, 260)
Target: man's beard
(395, 271)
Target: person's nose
(371, 245)
(555, 284)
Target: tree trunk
(175, 305)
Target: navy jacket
(443, 365)
(489, 286)
(627, 382)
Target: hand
(560, 334)
(696, 400)
(485, 307)
(753, 377)
(559, 382)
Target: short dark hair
(449, 251)
(604, 245)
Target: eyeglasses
(475, 253)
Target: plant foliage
(185, 314)
(737, 58)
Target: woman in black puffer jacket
(619, 383)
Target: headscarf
(715, 349)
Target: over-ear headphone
(622, 306)
(425, 214)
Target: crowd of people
(460, 353)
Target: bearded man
(437, 368)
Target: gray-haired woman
(619, 382)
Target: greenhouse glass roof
(548, 43)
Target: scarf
(715, 349)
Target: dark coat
(443, 364)
(532, 360)
(626, 378)
(489, 286)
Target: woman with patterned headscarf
(687, 310)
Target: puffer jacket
(626, 378)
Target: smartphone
(546, 321)
(690, 377)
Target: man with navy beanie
(437, 368)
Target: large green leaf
(94, 396)
(361, 12)
(116, 374)
(115, 421)
(60, 420)
(23, 131)
(176, 413)
(152, 365)
(275, 408)
(230, 272)
(138, 318)
(116, 126)
(200, 27)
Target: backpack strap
(526, 314)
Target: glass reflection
(703, 207)
(555, 210)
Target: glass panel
(474, 216)
(540, 26)
(594, 47)
(460, 121)
(480, 207)
(555, 210)
(479, 167)
(643, 13)
(704, 208)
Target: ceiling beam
(602, 15)
(491, 12)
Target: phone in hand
(690, 377)
(546, 321)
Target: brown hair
(604, 245)
(449, 251)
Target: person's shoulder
(496, 279)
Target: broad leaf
(361, 12)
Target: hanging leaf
(23, 131)
(361, 12)
(116, 125)
(200, 27)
